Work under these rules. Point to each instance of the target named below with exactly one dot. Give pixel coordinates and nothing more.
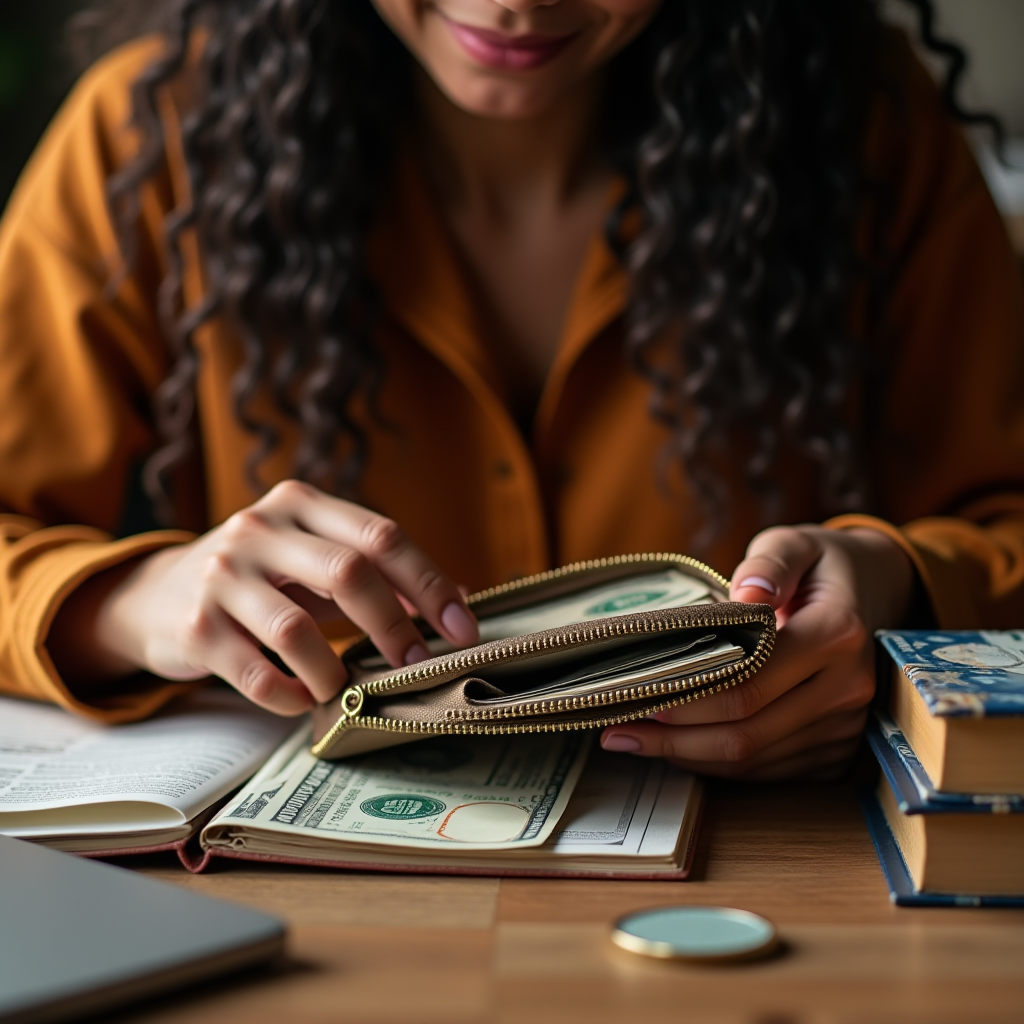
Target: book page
(62, 775)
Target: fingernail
(757, 581)
(459, 624)
(416, 653)
(621, 743)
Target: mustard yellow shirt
(78, 368)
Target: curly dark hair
(742, 150)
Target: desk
(399, 948)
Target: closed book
(897, 878)
(886, 739)
(958, 698)
(948, 847)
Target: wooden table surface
(400, 948)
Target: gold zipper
(476, 727)
(478, 722)
(601, 563)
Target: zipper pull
(352, 702)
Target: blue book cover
(914, 791)
(901, 888)
(961, 673)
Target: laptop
(78, 936)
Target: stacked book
(947, 816)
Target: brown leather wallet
(678, 638)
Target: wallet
(582, 647)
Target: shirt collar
(418, 269)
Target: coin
(699, 934)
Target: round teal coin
(705, 934)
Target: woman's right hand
(266, 576)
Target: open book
(85, 787)
(537, 804)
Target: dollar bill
(668, 588)
(471, 793)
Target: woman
(384, 300)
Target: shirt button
(503, 469)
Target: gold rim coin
(696, 934)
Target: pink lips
(510, 53)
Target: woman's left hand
(803, 713)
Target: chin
(500, 100)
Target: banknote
(626, 815)
(474, 792)
(667, 588)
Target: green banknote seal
(624, 602)
(401, 806)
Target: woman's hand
(266, 576)
(804, 712)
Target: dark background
(36, 71)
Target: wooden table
(395, 948)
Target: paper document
(625, 807)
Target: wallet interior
(620, 663)
(581, 673)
